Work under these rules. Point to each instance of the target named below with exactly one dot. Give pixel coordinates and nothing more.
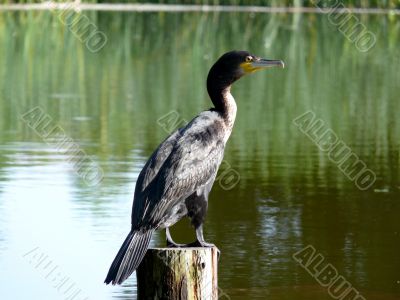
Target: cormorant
(177, 178)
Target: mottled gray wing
(148, 173)
(191, 164)
(155, 162)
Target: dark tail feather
(129, 256)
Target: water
(290, 194)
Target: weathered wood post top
(178, 273)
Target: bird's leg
(198, 243)
(201, 242)
(170, 241)
(200, 238)
(197, 204)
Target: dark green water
(289, 193)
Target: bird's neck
(229, 107)
(224, 103)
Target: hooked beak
(259, 64)
(267, 63)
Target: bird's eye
(249, 58)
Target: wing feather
(148, 174)
(183, 163)
(190, 173)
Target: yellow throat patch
(248, 68)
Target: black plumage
(177, 179)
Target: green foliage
(154, 63)
(287, 3)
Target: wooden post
(178, 273)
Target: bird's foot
(170, 241)
(172, 244)
(204, 244)
(175, 245)
(197, 243)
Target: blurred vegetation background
(284, 3)
(161, 50)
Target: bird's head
(235, 64)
